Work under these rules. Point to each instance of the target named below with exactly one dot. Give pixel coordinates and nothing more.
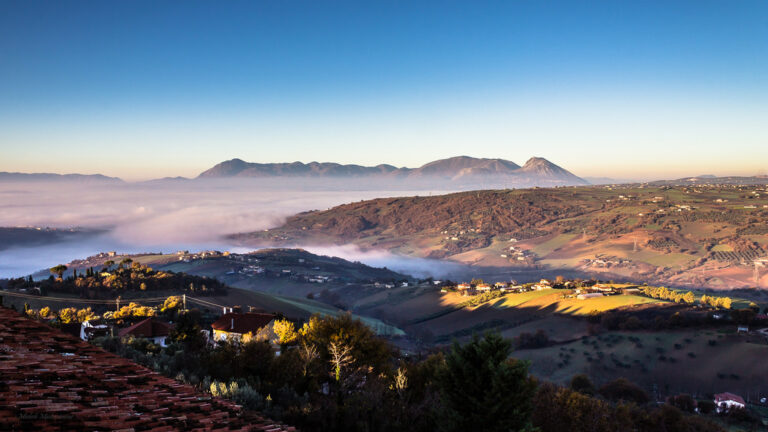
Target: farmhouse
(728, 401)
(243, 327)
(151, 329)
(463, 287)
(483, 287)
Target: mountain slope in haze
(462, 169)
(240, 168)
(710, 236)
(40, 177)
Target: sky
(148, 89)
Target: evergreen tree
(483, 389)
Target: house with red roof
(728, 401)
(155, 330)
(243, 327)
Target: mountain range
(460, 169)
(49, 177)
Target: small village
(581, 289)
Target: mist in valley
(170, 215)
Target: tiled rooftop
(53, 381)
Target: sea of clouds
(170, 215)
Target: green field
(571, 306)
(517, 299)
(601, 304)
(674, 361)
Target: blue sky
(147, 89)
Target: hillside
(461, 169)
(706, 235)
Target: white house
(728, 401)
(483, 287)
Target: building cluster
(517, 253)
(185, 256)
(596, 290)
(456, 235)
(604, 262)
(468, 289)
(232, 325)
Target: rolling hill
(710, 236)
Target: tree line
(333, 373)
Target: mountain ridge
(459, 168)
(18, 176)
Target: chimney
(233, 324)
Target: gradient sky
(627, 89)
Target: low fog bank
(167, 215)
(417, 267)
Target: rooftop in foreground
(53, 381)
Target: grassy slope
(694, 372)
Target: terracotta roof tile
(88, 388)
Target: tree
(689, 297)
(684, 402)
(46, 312)
(582, 384)
(340, 357)
(84, 315)
(367, 349)
(68, 315)
(188, 331)
(724, 302)
(483, 389)
(171, 303)
(622, 389)
(59, 270)
(307, 354)
(285, 331)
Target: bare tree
(308, 354)
(340, 357)
(401, 381)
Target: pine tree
(483, 389)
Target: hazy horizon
(590, 174)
